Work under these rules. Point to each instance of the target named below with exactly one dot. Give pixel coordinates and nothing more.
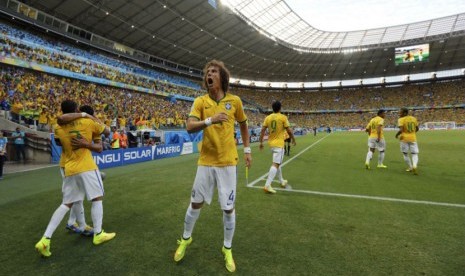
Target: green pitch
(338, 219)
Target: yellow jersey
(122, 122)
(373, 125)
(97, 138)
(276, 124)
(43, 118)
(286, 135)
(409, 131)
(218, 146)
(77, 160)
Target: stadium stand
(26, 93)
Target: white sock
(279, 174)
(189, 221)
(271, 176)
(369, 156)
(72, 215)
(229, 223)
(57, 217)
(415, 159)
(78, 212)
(97, 215)
(407, 160)
(381, 158)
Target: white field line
(32, 169)
(373, 198)
(379, 198)
(289, 160)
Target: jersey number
(410, 127)
(273, 126)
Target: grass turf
(290, 233)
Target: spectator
(115, 139)
(43, 120)
(124, 139)
(19, 142)
(3, 144)
(106, 143)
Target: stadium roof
(261, 39)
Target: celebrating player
(277, 124)
(215, 114)
(376, 139)
(81, 177)
(408, 128)
(95, 146)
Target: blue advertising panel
(121, 157)
(108, 159)
(164, 151)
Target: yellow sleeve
(196, 109)
(97, 128)
(240, 114)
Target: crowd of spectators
(422, 95)
(37, 96)
(33, 48)
(34, 97)
(359, 120)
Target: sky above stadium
(343, 15)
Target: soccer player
(408, 128)
(277, 124)
(215, 113)
(81, 178)
(376, 139)
(287, 144)
(78, 207)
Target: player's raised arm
(69, 117)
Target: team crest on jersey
(228, 106)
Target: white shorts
(278, 155)
(224, 178)
(380, 146)
(76, 186)
(406, 146)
